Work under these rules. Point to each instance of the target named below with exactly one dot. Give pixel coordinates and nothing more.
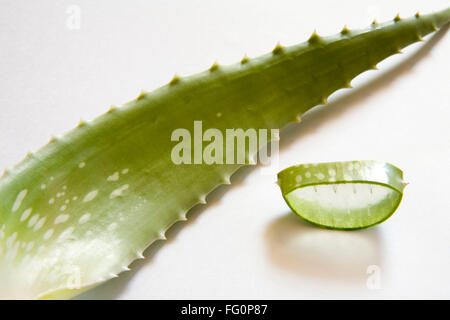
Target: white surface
(245, 243)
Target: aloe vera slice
(343, 195)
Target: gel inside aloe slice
(343, 195)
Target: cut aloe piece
(343, 195)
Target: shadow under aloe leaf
(300, 247)
(313, 118)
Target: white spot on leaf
(30, 246)
(113, 177)
(85, 218)
(2, 232)
(22, 194)
(332, 172)
(320, 176)
(48, 234)
(33, 220)
(39, 224)
(90, 196)
(26, 214)
(11, 239)
(61, 218)
(65, 234)
(112, 226)
(118, 192)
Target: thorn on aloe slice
(343, 195)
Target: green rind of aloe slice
(343, 195)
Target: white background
(245, 243)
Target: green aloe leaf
(343, 195)
(81, 209)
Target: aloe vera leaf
(343, 195)
(81, 209)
